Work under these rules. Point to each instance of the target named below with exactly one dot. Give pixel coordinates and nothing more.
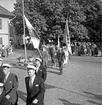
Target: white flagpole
(25, 49)
(58, 42)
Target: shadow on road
(49, 86)
(15, 65)
(98, 97)
(22, 95)
(93, 102)
(86, 59)
(65, 102)
(53, 72)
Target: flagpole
(58, 42)
(39, 53)
(25, 49)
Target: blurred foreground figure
(1, 71)
(3, 99)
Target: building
(5, 17)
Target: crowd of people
(58, 56)
(84, 48)
(5, 51)
(37, 73)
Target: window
(0, 23)
(1, 40)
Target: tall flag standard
(35, 39)
(58, 42)
(66, 37)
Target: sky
(8, 4)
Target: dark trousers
(60, 66)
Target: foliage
(48, 18)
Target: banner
(35, 39)
(66, 37)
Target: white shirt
(6, 77)
(31, 80)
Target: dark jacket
(10, 88)
(3, 100)
(36, 92)
(42, 72)
(1, 74)
(60, 56)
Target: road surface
(80, 83)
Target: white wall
(5, 39)
(5, 26)
(4, 32)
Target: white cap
(31, 67)
(6, 65)
(39, 59)
(1, 59)
(1, 84)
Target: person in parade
(34, 86)
(41, 70)
(52, 54)
(3, 99)
(1, 71)
(44, 56)
(60, 57)
(10, 85)
(66, 55)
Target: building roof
(5, 13)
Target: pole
(39, 53)
(25, 49)
(58, 42)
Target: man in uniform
(44, 56)
(10, 85)
(52, 54)
(34, 86)
(1, 71)
(60, 57)
(3, 99)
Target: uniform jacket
(3, 100)
(10, 87)
(60, 56)
(45, 58)
(42, 72)
(36, 92)
(1, 74)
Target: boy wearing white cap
(10, 84)
(41, 70)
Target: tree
(93, 22)
(31, 13)
(49, 16)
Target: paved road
(80, 83)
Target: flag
(35, 39)
(58, 42)
(66, 37)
